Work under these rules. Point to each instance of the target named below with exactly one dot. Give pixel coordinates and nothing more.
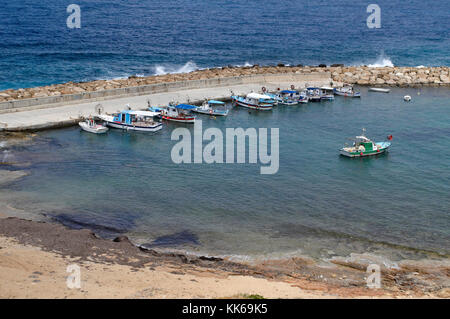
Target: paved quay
(48, 116)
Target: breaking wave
(381, 61)
(170, 69)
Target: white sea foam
(381, 61)
(171, 69)
(246, 64)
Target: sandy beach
(34, 257)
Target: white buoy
(407, 98)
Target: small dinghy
(207, 109)
(380, 90)
(363, 146)
(90, 126)
(407, 98)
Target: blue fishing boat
(254, 101)
(206, 108)
(132, 120)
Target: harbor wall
(148, 89)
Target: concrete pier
(40, 114)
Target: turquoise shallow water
(318, 204)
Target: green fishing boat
(363, 146)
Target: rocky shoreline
(361, 75)
(343, 281)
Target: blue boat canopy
(185, 107)
(215, 102)
(288, 91)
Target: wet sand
(34, 257)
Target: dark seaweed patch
(177, 239)
(88, 222)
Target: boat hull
(178, 119)
(260, 107)
(97, 129)
(380, 90)
(356, 94)
(128, 127)
(384, 148)
(289, 103)
(212, 112)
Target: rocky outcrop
(362, 75)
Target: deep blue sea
(119, 38)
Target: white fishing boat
(90, 126)
(303, 97)
(407, 98)
(289, 97)
(254, 101)
(133, 121)
(179, 113)
(326, 93)
(313, 94)
(207, 108)
(347, 91)
(380, 90)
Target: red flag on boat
(389, 137)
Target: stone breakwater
(361, 75)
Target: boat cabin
(133, 117)
(256, 98)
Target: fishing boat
(132, 121)
(303, 97)
(206, 108)
(90, 126)
(179, 113)
(289, 97)
(347, 91)
(254, 101)
(313, 94)
(326, 93)
(273, 96)
(363, 146)
(155, 109)
(380, 90)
